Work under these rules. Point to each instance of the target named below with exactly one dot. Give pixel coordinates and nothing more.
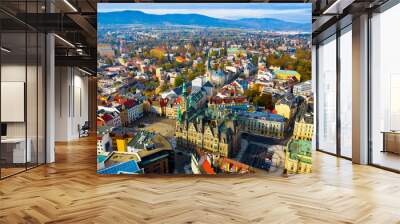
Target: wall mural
(204, 88)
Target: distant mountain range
(138, 17)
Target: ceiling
(330, 15)
(75, 22)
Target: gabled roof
(290, 100)
(178, 90)
(130, 103)
(208, 84)
(107, 117)
(196, 96)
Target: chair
(84, 130)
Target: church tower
(183, 100)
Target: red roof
(236, 99)
(207, 167)
(130, 103)
(163, 102)
(122, 101)
(107, 117)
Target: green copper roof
(184, 89)
(286, 72)
(300, 147)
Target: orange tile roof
(180, 59)
(207, 167)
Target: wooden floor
(386, 159)
(70, 191)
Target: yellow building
(121, 145)
(298, 156)
(303, 130)
(283, 110)
(158, 73)
(122, 61)
(120, 137)
(211, 137)
(287, 106)
(170, 111)
(286, 74)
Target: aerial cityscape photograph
(199, 89)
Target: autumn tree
(252, 93)
(178, 81)
(264, 100)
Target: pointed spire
(184, 89)
(189, 103)
(179, 114)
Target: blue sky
(293, 12)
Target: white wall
(33, 127)
(71, 102)
(12, 73)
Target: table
(13, 150)
(391, 141)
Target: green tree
(264, 100)
(132, 90)
(146, 54)
(302, 54)
(109, 61)
(252, 93)
(200, 68)
(151, 84)
(117, 52)
(167, 66)
(178, 81)
(254, 59)
(164, 87)
(157, 53)
(300, 63)
(213, 53)
(192, 76)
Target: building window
(326, 101)
(385, 89)
(346, 92)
